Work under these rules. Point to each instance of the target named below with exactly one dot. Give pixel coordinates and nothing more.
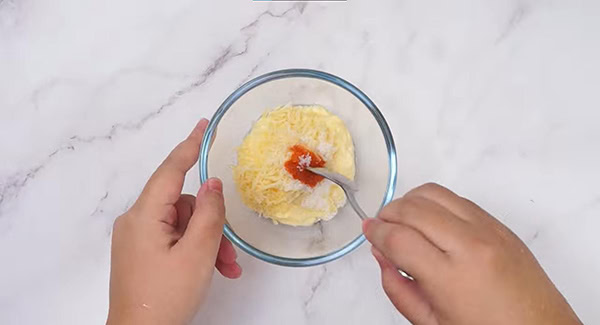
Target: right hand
(468, 267)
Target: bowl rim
(299, 73)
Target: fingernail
(199, 128)
(201, 125)
(215, 185)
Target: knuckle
(406, 209)
(212, 206)
(119, 224)
(429, 186)
(427, 189)
(172, 157)
(181, 152)
(391, 208)
(400, 209)
(215, 202)
(411, 205)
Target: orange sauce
(296, 167)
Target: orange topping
(300, 159)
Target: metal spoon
(347, 185)
(349, 188)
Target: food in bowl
(270, 173)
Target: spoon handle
(349, 188)
(347, 185)
(355, 205)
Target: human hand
(165, 247)
(468, 267)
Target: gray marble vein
(516, 18)
(495, 99)
(11, 185)
(98, 208)
(314, 288)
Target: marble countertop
(496, 99)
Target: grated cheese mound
(264, 184)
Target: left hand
(165, 248)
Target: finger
(226, 263)
(405, 294)
(435, 222)
(164, 187)
(226, 252)
(205, 228)
(460, 206)
(229, 270)
(405, 247)
(185, 206)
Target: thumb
(203, 234)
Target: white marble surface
(496, 99)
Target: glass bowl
(375, 156)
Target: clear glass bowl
(375, 165)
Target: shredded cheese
(264, 184)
